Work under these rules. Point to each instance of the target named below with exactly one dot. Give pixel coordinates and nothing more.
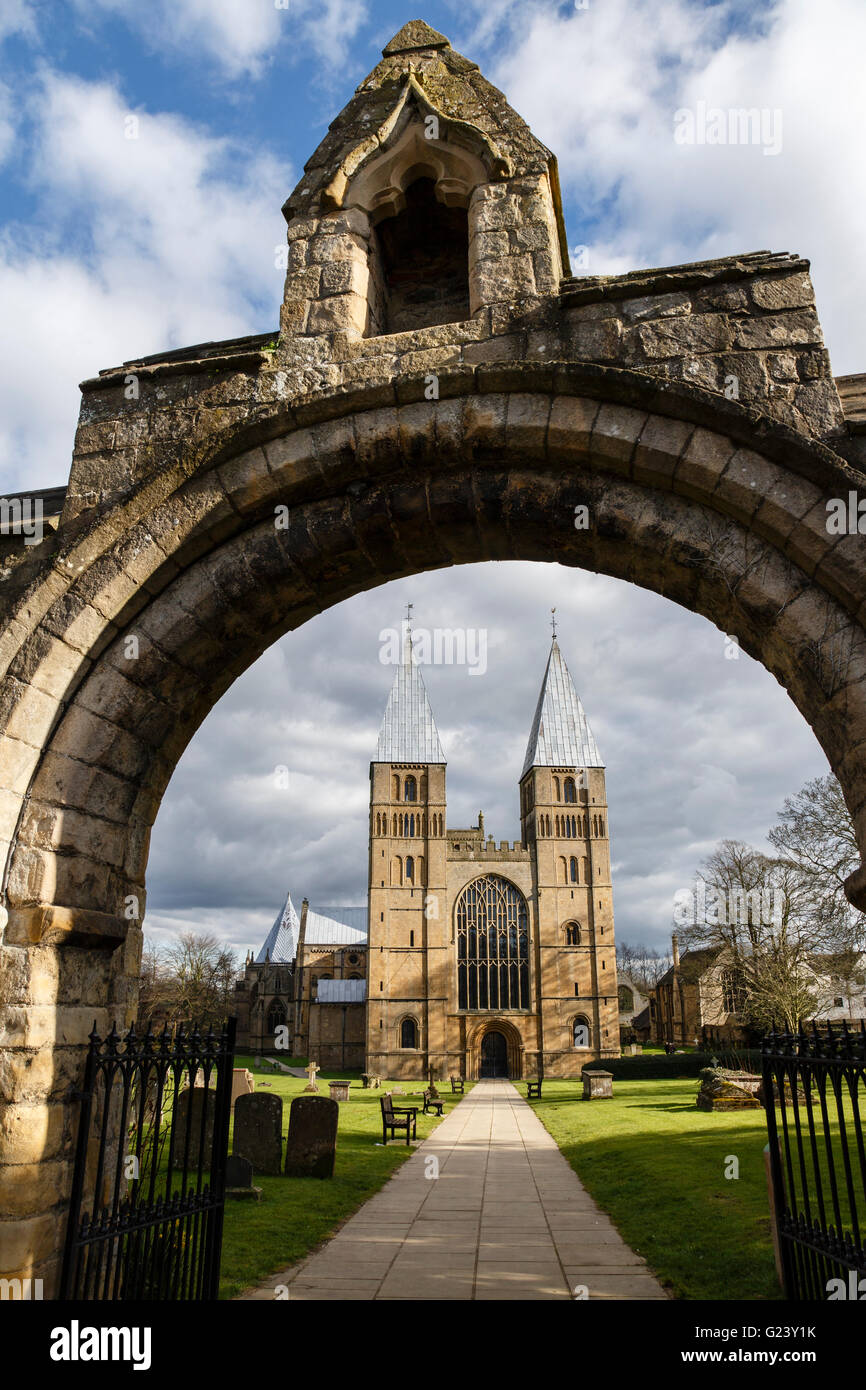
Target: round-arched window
(492, 945)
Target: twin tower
(488, 960)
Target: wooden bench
(432, 1103)
(456, 1085)
(396, 1117)
(533, 1090)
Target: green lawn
(656, 1165)
(297, 1214)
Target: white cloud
(16, 17)
(600, 86)
(697, 747)
(143, 244)
(239, 36)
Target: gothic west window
(492, 946)
(424, 262)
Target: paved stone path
(507, 1218)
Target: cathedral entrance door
(494, 1055)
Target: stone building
(308, 979)
(480, 959)
(393, 439)
(632, 1001)
(699, 991)
(701, 996)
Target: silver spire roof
(408, 733)
(327, 926)
(561, 736)
(281, 942)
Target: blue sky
(113, 247)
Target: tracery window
(276, 1016)
(492, 946)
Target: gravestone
(239, 1179)
(339, 1090)
(312, 1143)
(598, 1085)
(239, 1172)
(312, 1069)
(193, 1105)
(243, 1083)
(258, 1132)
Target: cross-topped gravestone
(312, 1069)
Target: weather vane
(553, 621)
(409, 607)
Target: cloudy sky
(121, 237)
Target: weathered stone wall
(393, 455)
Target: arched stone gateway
(494, 1050)
(680, 429)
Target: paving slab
(507, 1219)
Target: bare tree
(759, 913)
(643, 965)
(192, 980)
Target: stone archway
(222, 496)
(128, 637)
(125, 634)
(479, 1054)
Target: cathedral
(470, 958)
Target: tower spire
(560, 733)
(408, 733)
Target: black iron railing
(814, 1087)
(148, 1189)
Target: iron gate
(148, 1188)
(813, 1086)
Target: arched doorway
(494, 1055)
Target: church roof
(408, 733)
(560, 736)
(281, 942)
(336, 926)
(326, 926)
